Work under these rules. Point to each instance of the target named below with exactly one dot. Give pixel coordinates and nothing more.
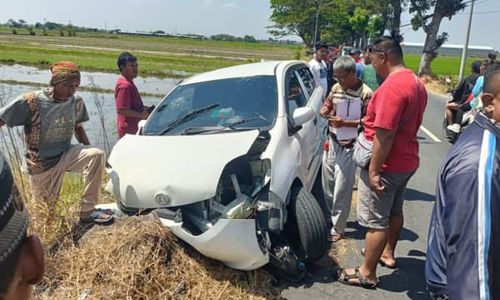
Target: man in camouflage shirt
(50, 118)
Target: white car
(228, 160)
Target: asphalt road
(408, 281)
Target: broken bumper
(233, 242)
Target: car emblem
(162, 199)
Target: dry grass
(438, 86)
(137, 258)
(345, 248)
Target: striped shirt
(349, 105)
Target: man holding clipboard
(344, 108)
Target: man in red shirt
(393, 118)
(129, 106)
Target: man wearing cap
(50, 118)
(355, 53)
(21, 256)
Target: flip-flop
(335, 237)
(363, 282)
(380, 261)
(99, 216)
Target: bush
(14, 31)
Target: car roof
(246, 70)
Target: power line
(482, 12)
(466, 2)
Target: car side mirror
(141, 125)
(302, 115)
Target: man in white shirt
(318, 67)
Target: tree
(396, 9)
(433, 41)
(71, 30)
(22, 23)
(249, 39)
(12, 23)
(298, 17)
(339, 21)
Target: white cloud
(230, 5)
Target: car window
(307, 79)
(295, 94)
(249, 102)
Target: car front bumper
(231, 241)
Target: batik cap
(64, 71)
(13, 214)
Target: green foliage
(341, 21)
(298, 17)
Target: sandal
(381, 261)
(99, 216)
(363, 282)
(335, 237)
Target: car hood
(166, 171)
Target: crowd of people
(374, 105)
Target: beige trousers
(88, 160)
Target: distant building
(449, 49)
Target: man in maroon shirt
(129, 106)
(392, 120)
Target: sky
(208, 17)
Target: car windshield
(227, 104)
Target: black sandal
(345, 278)
(99, 216)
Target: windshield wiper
(217, 129)
(188, 117)
(239, 123)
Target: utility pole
(466, 46)
(316, 26)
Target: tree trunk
(430, 47)
(396, 16)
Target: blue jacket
(463, 256)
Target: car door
(298, 95)
(320, 124)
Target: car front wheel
(306, 228)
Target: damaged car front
(198, 163)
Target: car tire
(307, 227)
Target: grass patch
(442, 65)
(163, 56)
(158, 56)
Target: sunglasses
(371, 50)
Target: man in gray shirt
(50, 118)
